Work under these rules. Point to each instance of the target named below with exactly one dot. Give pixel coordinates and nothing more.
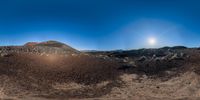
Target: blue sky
(101, 24)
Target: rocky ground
(169, 73)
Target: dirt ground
(87, 77)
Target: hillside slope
(42, 48)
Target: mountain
(40, 48)
(52, 44)
(31, 44)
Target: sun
(152, 41)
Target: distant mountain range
(55, 47)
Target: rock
(2, 55)
(183, 54)
(74, 55)
(124, 67)
(177, 57)
(126, 58)
(154, 56)
(135, 76)
(5, 55)
(157, 59)
(144, 76)
(142, 59)
(131, 63)
(125, 61)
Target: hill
(52, 44)
(43, 48)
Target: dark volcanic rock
(155, 64)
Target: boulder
(177, 57)
(142, 59)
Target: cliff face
(43, 48)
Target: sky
(101, 24)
